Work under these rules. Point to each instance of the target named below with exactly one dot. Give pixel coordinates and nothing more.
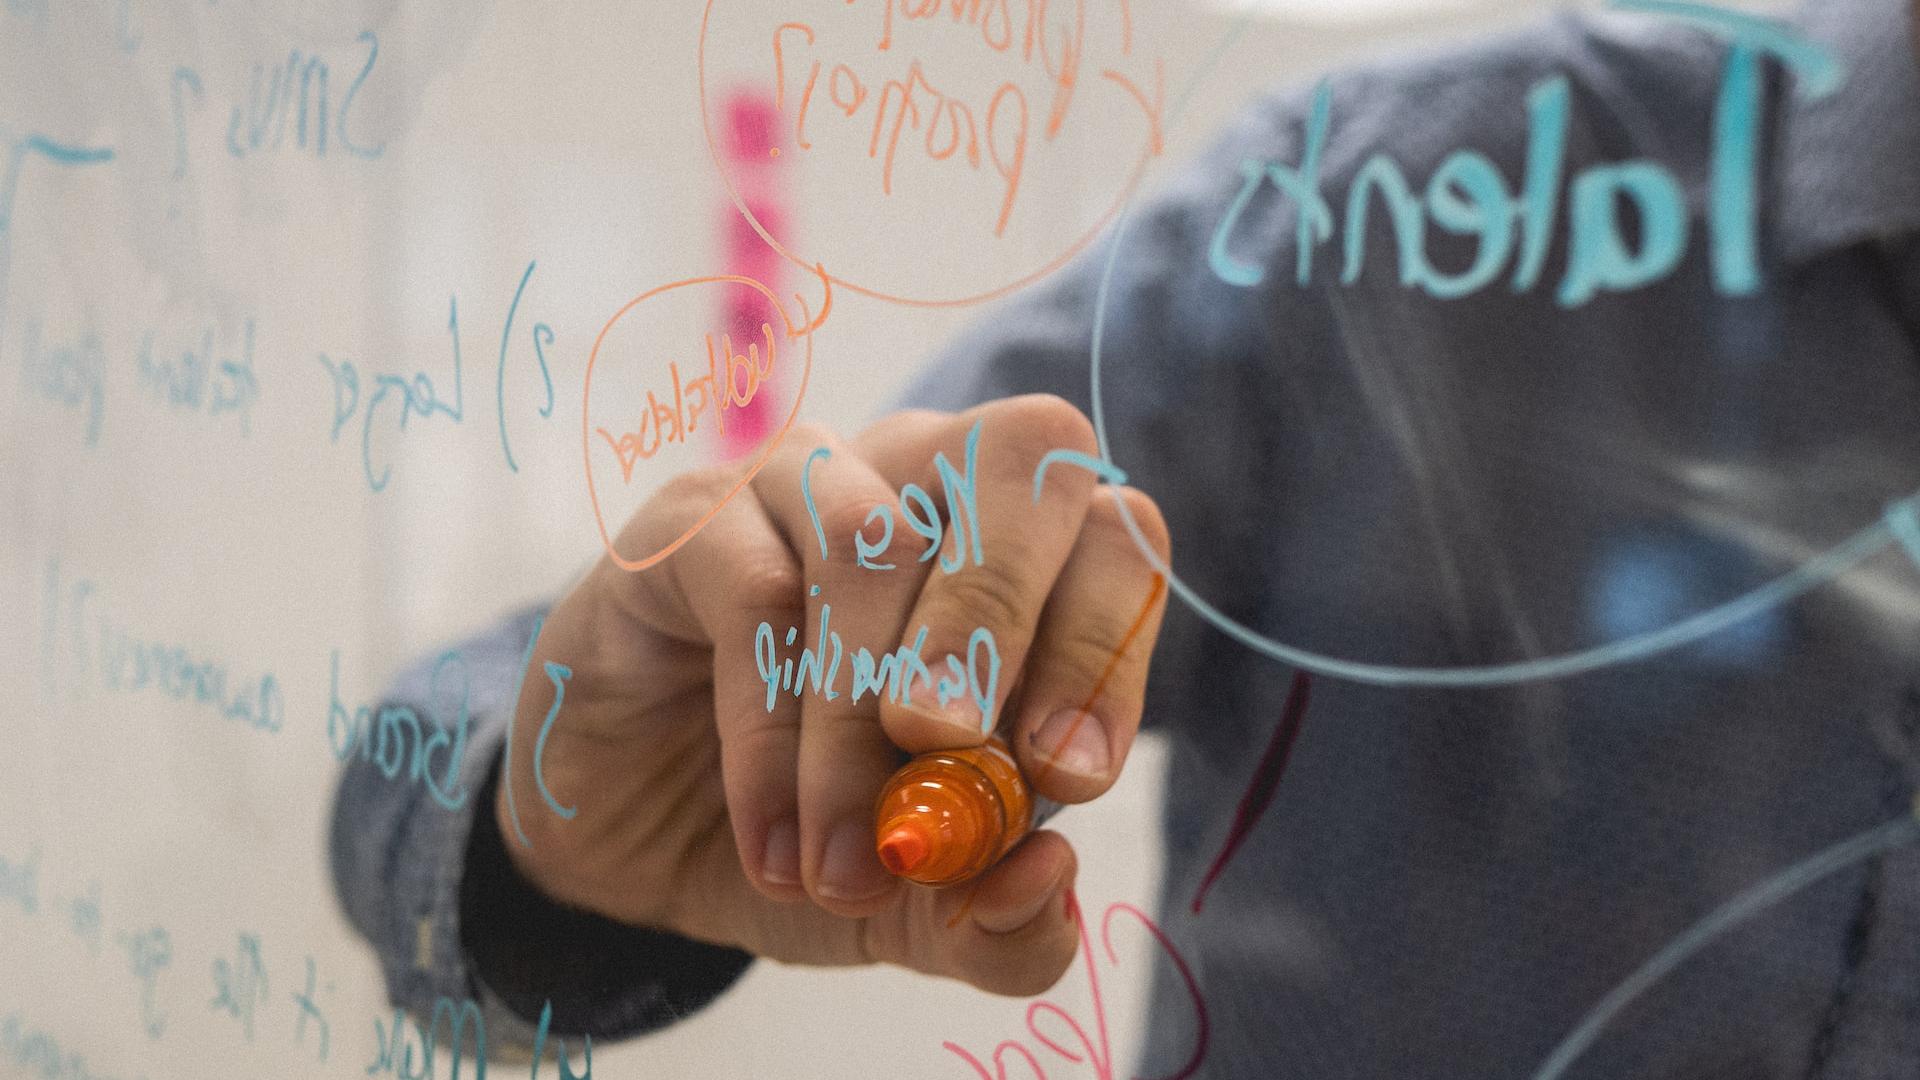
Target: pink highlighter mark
(1266, 780)
(752, 143)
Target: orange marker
(948, 815)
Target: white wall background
(567, 135)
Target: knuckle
(899, 424)
(693, 488)
(841, 518)
(1024, 969)
(772, 582)
(918, 417)
(1104, 515)
(1079, 653)
(754, 741)
(807, 437)
(1037, 423)
(990, 595)
(847, 733)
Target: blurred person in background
(1343, 458)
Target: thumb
(1012, 930)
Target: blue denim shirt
(1450, 876)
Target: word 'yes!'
(895, 672)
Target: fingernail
(1010, 919)
(780, 863)
(851, 871)
(964, 713)
(961, 716)
(1074, 741)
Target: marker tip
(903, 849)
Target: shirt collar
(1850, 165)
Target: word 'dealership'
(728, 384)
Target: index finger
(975, 618)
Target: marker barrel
(947, 815)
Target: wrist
(599, 976)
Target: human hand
(704, 811)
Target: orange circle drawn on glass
(1147, 152)
(766, 452)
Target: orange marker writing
(949, 814)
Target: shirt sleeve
(421, 869)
